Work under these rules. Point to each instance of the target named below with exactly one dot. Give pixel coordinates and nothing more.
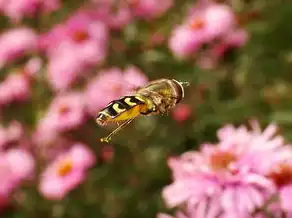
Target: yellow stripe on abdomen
(133, 112)
(129, 114)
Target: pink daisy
(66, 172)
(230, 177)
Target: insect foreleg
(108, 138)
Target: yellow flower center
(65, 167)
(80, 36)
(64, 109)
(221, 160)
(197, 24)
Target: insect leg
(108, 138)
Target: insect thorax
(164, 94)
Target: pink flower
(66, 172)
(32, 67)
(45, 136)
(211, 19)
(229, 178)
(255, 146)
(233, 40)
(18, 9)
(66, 112)
(281, 174)
(15, 43)
(22, 162)
(79, 44)
(15, 88)
(16, 166)
(111, 84)
(206, 22)
(49, 142)
(273, 209)
(114, 13)
(106, 153)
(150, 9)
(219, 19)
(208, 33)
(182, 112)
(134, 77)
(184, 41)
(12, 134)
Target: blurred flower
(281, 174)
(106, 153)
(17, 9)
(114, 13)
(233, 40)
(45, 136)
(66, 112)
(79, 44)
(16, 166)
(66, 172)
(118, 13)
(15, 43)
(32, 67)
(13, 133)
(15, 88)
(273, 209)
(184, 41)
(22, 163)
(110, 84)
(134, 77)
(182, 112)
(215, 19)
(233, 173)
(149, 9)
(208, 32)
(48, 142)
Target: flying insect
(157, 97)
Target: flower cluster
(248, 173)
(66, 172)
(58, 69)
(79, 43)
(17, 163)
(18, 9)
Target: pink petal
(175, 194)
(286, 198)
(22, 163)
(52, 188)
(82, 156)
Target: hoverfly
(157, 97)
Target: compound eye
(101, 119)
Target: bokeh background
(61, 61)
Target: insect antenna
(108, 138)
(184, 84)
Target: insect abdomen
(122, 109)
